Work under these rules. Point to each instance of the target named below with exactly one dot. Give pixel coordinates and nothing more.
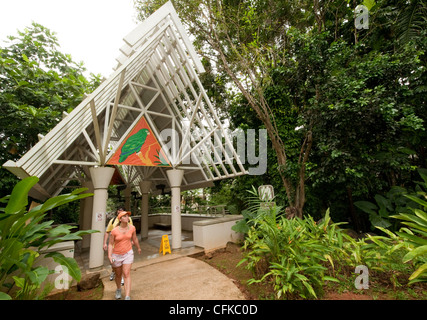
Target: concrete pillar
(175, 179)
(145, 190)
(86, 219)
(101, 177)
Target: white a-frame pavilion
(151, 120)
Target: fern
(411, 21)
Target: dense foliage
(37, 84)
(24, 234)
(345, 113)
(299, 257)
(344, 107)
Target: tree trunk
(353, 213)
(255, 98)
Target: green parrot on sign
(133, 144)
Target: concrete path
(180, 278)
(174, 276)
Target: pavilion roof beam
(95, 154)
(97, 131)
(211, 125)
(144, 86)
(114, 112)
(187, 132)
(204, 148)
(76, 162)
(196, 78)
(166, 78)
(160, 76)
(167, 103)
(37, 164)
(205, 133)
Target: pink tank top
(122, 241)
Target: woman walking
(114, 222)
(120, 252)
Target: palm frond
(411, 20)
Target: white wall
(215, 233)
(186, 220)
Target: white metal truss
(156, 79)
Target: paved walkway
(174, 276)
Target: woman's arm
(110, 247)
(135, 240)
(105, 240)
(107, 232)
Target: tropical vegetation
(344, 108)
(24, 236)
(345, 112)
(38, 83)
(300, 257)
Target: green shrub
(415, 236)
(410, 210)
(295, 254)
(394, 202)
(299, 256)
(23, 234)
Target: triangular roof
(156, 81)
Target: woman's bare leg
(118, 279)
(126, 274)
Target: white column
(175, 179)
(87, 215)
(145, 190)
(101, 177)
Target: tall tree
(355, 96)
(244, 39)
(37, 84)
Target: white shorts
(120, 259)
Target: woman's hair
(121, 208)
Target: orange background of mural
(147, 156)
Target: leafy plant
(23, 236)
(415, 236)
(397, 200)
(298, 256)
(292, 253)
(256, 207)
(410, 239)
